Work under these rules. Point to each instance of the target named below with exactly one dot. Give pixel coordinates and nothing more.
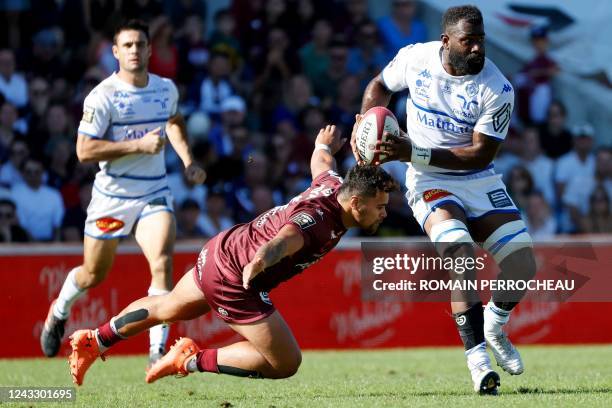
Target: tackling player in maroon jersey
(236, 269)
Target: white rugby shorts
(478, 193)
(110, 217)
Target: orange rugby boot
(173, 363)
(84, 352)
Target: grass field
(554, 376)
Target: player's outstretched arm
(177, 134)
(287, 242)
(327, 144)
(91, 149)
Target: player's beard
(470, 64)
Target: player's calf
(511, 246)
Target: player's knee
(511, 244)
(90, 276)
(452, 239)
(520, 264)
(290, 366)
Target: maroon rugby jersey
(315, 212)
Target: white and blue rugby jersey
(443, 110)
(117, 111)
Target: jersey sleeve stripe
(89, 134)
(134, 177)
(494, 137)
(141, 122)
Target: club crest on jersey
(303, 220)
(435, 194)
(471, 89)
(109, 224)
(422, 88)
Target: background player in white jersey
(126, 121)
(457, 117)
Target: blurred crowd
(255, 87)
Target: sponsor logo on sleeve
(499, 198)
(506, 88)
(501, 118)
(88, 114)
(303, 220)
(109, 224)
(435, 194)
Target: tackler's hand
(330, 136)
(251, 270)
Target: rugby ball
(373, 124)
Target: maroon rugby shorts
(223, 290)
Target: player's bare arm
(327, 144)
(177, 134)
(375, 94)
(478, 155)
(287, 242)
(90, 149)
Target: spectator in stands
(325, 85)
(164, 53)
(10, 230)
(60, 164)
(541, 222)
(520, 186)
(349, 23)
(38, 104)
(182, 10)
(297, 95)
(194, 53)
(214, 219)
(59, 128)
(599, 218)
(347, 103)
(579, 162)
(314, 55)
(555, 138)
(582, 186)
(367, 57)
(233, 114)
(41, 221)
(223, 37)
(216, 87)
(10, 172)
(8, 125)
(187, 220)
(401, 27)
(73, 224)
(540, 166)
(12, 84)
(534, 82)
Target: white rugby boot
(486, 381)
(506, 355)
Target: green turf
(555, 376)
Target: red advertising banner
(323, 306)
